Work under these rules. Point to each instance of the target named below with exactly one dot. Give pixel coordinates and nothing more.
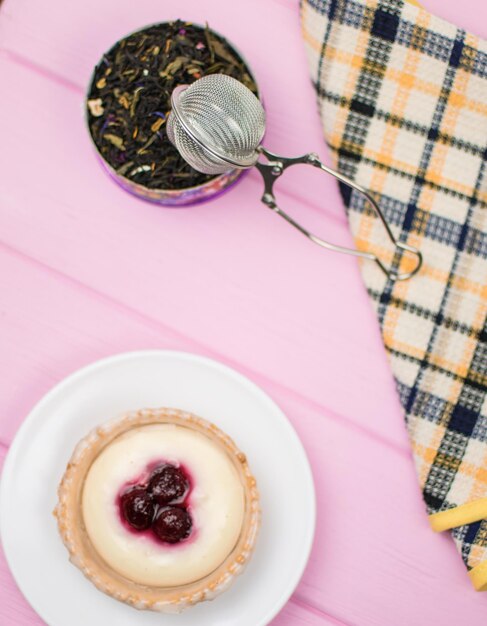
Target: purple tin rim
(174, 197)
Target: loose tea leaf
(157, 124)
(116, 141)
(129, 98)
(173, 67)
(96, 107)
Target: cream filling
(217, 505)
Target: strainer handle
(275, 166)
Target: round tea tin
(172, 197)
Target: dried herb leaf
(148, 143)
(115, 140)
(96, 107)
(157, 124)
(174, 66)
(194, 71)
(223, 52)
(209, 42)
(125, 168)
(125, 100)
(135, 100)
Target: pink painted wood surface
(87, 271)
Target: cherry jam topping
(137, 507)
(167, 484)
(160, 504)
(172, 524)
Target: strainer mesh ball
(224, 120)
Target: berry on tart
(167, 484)
(137, 507)
(172, 524)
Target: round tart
(159, 509)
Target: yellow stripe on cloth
(459, 516)
(478, 576)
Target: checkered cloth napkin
(403, 101)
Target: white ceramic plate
(38, 456)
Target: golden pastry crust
(82, 553)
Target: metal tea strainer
(217, 124)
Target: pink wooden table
(87, 271)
